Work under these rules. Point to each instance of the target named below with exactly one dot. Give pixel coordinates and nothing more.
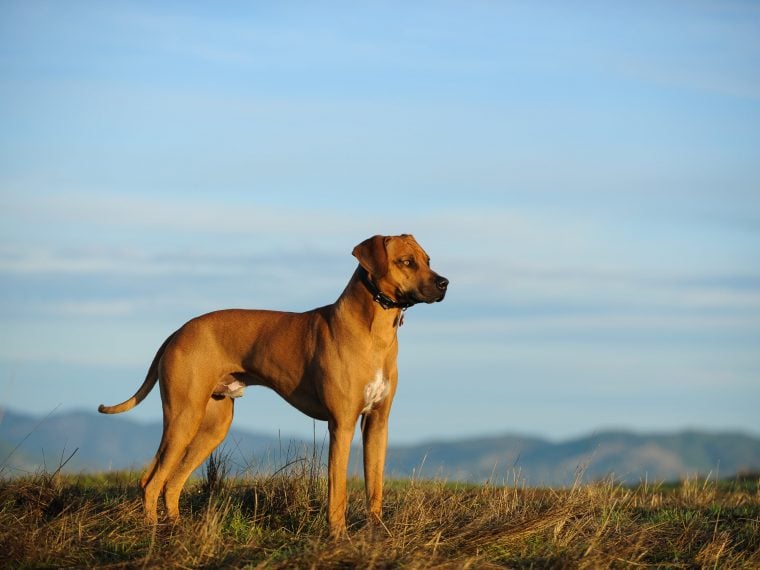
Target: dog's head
(400, 268)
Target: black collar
(378, 296)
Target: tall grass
(278, 521)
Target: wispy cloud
(79, 309)
(168, 214)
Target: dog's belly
(233, 389)
(302, 397)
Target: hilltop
(109, 443)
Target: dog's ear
(373, 255)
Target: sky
(586, 174)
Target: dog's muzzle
(433, 293)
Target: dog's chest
(375, 391)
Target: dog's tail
(150, 380)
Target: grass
(278, 521)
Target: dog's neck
(359, 302)
(385, 301)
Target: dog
(336, 363)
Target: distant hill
(102, 442)
(629, 457)
(115, 442)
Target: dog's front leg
(337, 468)
(375, 440)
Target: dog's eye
(406, 262)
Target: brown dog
(334, 363)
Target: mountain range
(88, 442)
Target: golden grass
(279, 522)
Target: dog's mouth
(437, 298)
(414, 298)
(406, 298)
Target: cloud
(169, 214)
(691, 75)
(93, 308)
(117, 261)
(514, 272)
(129, 227)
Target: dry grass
(279, 522)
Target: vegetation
(278, 521)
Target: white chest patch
(375, 392)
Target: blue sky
(586, 174)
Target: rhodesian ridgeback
(335, 363)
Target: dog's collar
(378, 296)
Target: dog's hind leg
(179, 430)
(150, 502)
(213, 429)
(149, 471)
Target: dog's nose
(441, 283)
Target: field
(278, 521)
